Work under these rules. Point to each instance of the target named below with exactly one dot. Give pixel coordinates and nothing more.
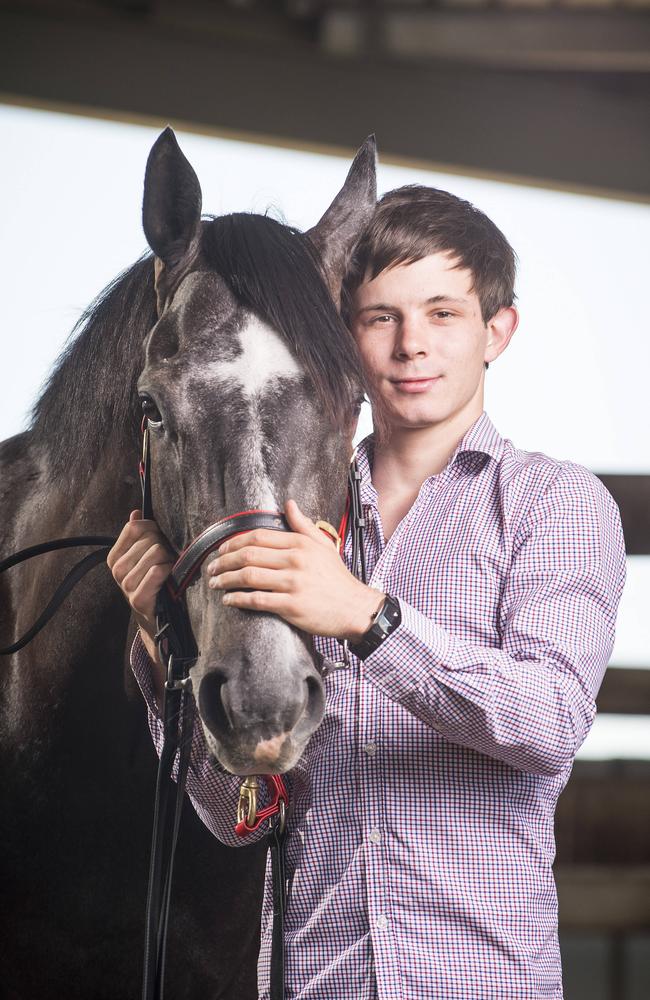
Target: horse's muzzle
(261, 716)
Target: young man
(421, 841)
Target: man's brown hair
(413, 222)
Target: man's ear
(171, 208)
(500, 331)
(335, 235)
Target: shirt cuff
(143, 666)
(397, 667)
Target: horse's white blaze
(264, 357)
(263, 361)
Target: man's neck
(411, 455)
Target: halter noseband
(190, 560)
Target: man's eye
(443, 314)
(382, 319)
(150, 410)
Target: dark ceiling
(550, 92)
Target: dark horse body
(78, 767)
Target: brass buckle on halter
(330, 530)
(247, 805)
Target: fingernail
(225, 599)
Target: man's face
(422, 339)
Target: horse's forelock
(273, 270)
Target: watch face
(389, 616)
(383, 621)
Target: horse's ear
(171, 209)
(339, 229)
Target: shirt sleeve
(531, 702)
(213, 791)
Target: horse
(230, 338)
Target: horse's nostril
(212, 702)
(244, 715)
(315, 699)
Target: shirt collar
(481, 438)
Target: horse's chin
(273, 756)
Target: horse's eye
(150, 410)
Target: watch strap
(384, 622)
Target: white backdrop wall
(571, 384)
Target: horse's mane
(90, 397)
(272, 268)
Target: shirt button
(370, 749)
(382, 922)
(375, 836)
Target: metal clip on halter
(175, 679)
(247, 805)
(249, 818)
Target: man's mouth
(418, 383)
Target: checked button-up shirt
(421, 840)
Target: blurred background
(537, 112)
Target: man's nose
(410, 341)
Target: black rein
(71, 580)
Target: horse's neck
(40, 504)
(36, 506)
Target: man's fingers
(140, 562)
(263, 537)
(301, 524)
(131, 533)
(154, 555)
(126, 562)
(252, 555)
(259, 600)
(143, 598)
(254, 578)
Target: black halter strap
(189, 562)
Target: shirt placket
(375, 765)
(371, 755)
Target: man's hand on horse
(140, 562)
(298, 575)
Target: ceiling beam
(565, 129)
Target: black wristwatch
(384, 622)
